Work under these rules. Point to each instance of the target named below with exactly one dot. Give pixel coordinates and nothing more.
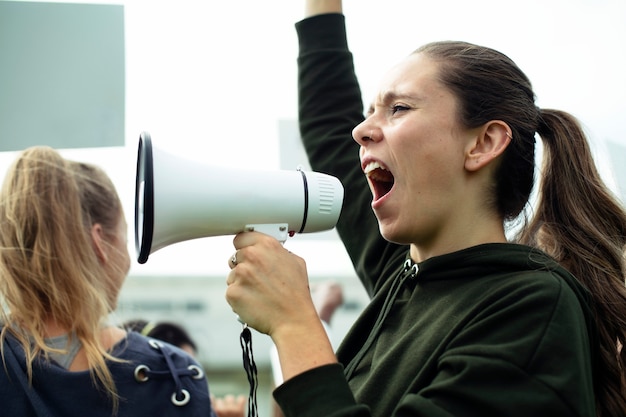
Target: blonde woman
(63, 260)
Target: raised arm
(315, 7)
(330, 106)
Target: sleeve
(326, 383)
(330, 106)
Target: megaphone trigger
(279, 231)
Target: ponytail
(579, 222)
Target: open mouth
(380, 178)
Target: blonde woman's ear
(97, 239)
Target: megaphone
(178, 199)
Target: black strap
(251, 370)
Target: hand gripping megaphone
(177, 199)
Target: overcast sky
(210, 79)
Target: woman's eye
(397, 108)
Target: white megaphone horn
(177, 199)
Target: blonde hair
(48, 266)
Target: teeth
(372, 166)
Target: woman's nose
(365, 132)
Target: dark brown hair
(577, 220)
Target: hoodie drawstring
(409, 270)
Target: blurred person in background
(172, 333)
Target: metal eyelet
(185, 400)
(141, 373)
(411, 268)
(199, 372)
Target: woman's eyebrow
(389, 97)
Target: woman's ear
(97, 238)
(490, 142)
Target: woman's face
(413, 151)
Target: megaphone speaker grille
(327, 200)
